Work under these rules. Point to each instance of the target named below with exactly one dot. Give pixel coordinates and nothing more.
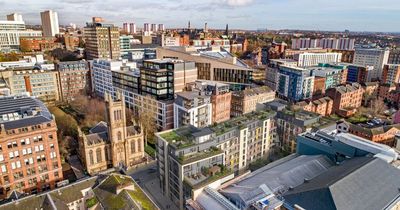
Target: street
(147, 178)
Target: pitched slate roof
(360, 183)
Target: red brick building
(38, 43)
(322, 106)
(29, 152)
(346, 98)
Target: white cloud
(238, 2)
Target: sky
(355, 15)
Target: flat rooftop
(22, 111)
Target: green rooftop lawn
(91, 202)
(170, 136)
(139, 196)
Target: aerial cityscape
(200, 105)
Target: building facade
(391, 74)
(50, 25)
(38, 43)
(185, 153)
(102, 40)
(346, 98)
(112, 144)
(294, 83)
(10, 33)
(215, 65)
(37, 81)
(313, 59)
(245, 101)
(372, 57)
(73, 79)
(221, 98)
(29, 152)
(192, 108)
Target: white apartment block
(190, 108)
(372, 57)
(50, 25)
(324, 43)
(313, 59)
(10, 31)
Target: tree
(146, 118)
(378, 106)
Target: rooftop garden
(241, 121)
(200, 155)
(179, 140)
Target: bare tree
(147, 119)
(378, 106)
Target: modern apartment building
(391, 74)
(334, 74)
(192, 108)
(375, 57)
(29, 152)
(73, 79)
(150, 89)
(214, 64)
(10, 33)
(189, 157)
(294, 83)
(359, 73)
(346, 98)
(39, 81)
(162, 78)
(102, 40)
(313, 59)
(245, 101)
(221, 98)
(50, 25)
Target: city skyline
(354, 15)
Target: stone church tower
(112, 144)
(116, 121)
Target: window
(29, 150)
(98, 155)
(51, 146)
(24, 152)
(16, 153)
(91, 157)
(11, 155)
(133, 145)
(13, 166)
(23, 142)
(18, 164)
(119, 135)
(4, 168)
(50, 136)
(41, 147)
(1, 158)
(27, 141)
